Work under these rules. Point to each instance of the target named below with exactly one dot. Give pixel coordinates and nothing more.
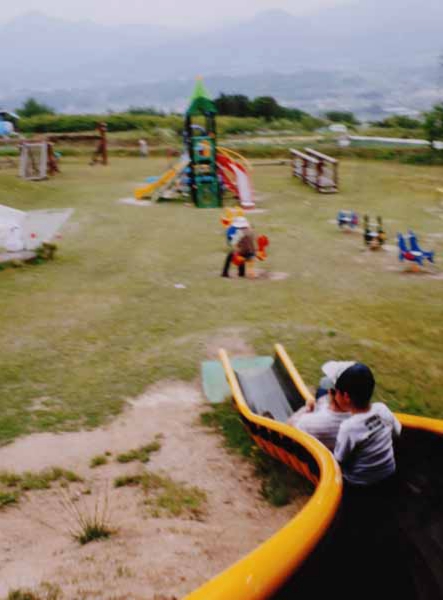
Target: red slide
(227, 173)
(236, 178)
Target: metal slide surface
(360, 546)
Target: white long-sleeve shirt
(323, 423)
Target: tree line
(268, 108)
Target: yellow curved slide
(147, 191)
(293, 563)
(264, 570)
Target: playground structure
(347, 220)
(305, 558)
(205, 169)
(316, 169)
(201, 144)
(37, 160)
(374, 235)
(412, 253)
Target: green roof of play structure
(201, 102)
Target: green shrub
(152, 124)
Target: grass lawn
(83, 333)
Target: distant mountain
(364, 56)
(44, 51)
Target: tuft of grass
(30, 481)
(7, 498)
(127, 480)
(170, 498)
(89, 524)
(35, 481)
(71, 476)
(279, 484)
(46, 591)
(141, 454)
(177, 499)
(92, 532)
(9, 479)
(98, 461)
(166, 497)
(44, 479)
(224, 419)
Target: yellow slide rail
(235, 156)
(148, 190)
(262, 572)
(422, 423)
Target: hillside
(368, 57)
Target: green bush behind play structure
(129, 122)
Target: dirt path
(147, 556)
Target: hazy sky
(189, 13)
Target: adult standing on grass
(101, 152)
(143, 146)
(242, 246)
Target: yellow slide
(324, 552)
(147, 191)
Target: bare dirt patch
(382, 254)
(232, 340)
(416, 274)
(271, 275)
(259, 274)
(134, 202)
(146, 556)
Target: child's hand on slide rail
(310, 404)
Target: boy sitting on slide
(324, 418)
(364, 445)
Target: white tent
(20, 230)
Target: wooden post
(305, 170)
(319, 175)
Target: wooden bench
(316, 169)
(328, 176)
